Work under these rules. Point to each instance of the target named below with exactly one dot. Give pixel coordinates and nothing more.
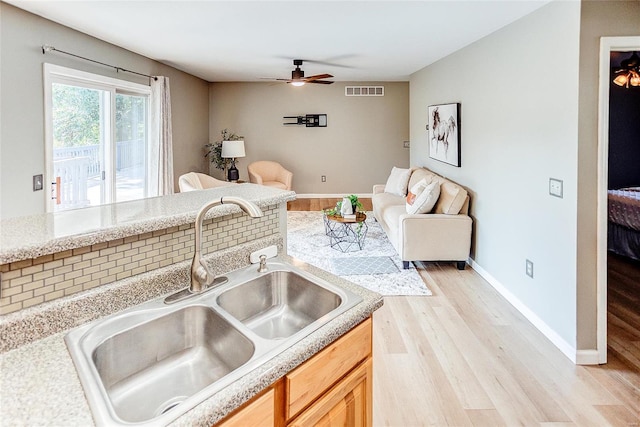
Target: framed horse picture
(444, 133)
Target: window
(97, 140)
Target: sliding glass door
(131, 147)
(97, 141)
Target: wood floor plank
(317, 204)
(451, 357)
(387, 335)
(618, 415)
(485, 418)
(623, 302)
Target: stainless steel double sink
(152, 363)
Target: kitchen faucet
(202, 279)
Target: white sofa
(442, 235)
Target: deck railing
(128, 154)
(72, 186)
(76, 166)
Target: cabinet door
(348, 403)
(258, 413)
(308, 381)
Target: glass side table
(346, 235)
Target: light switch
(555, 187)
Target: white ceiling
(248, 40)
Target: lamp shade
(232, 149)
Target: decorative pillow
(423, 197)
(398, 181)
(417, 189)
(451, 200)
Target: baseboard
(582, 357)
(330, 196)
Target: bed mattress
(624, 207)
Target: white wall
(361, 143)
(22, 103)
(519, 94)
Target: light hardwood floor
(465, 357)
(319, 204)
(623, 319)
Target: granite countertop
(38, 380)
(36, 235)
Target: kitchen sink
(153, 362)
(150, 368)
(278, 304)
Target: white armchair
(199, 181)
(271, 174)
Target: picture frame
(444, 133)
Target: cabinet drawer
(311, 379)
(258, 413)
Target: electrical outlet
(555, 187)
(323, 178)
(37, 182)
(406, 144)
(529, 268)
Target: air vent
(364, 91)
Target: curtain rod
(46, 49)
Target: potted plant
(214, 150)
(356, 205)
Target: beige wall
(519, 124)
(598, 19)
(362, 142)
(22, 103)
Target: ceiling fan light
(298, 83)
(621, 79)
(635, 79)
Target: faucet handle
(263, 263)
(202, 274)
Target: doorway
(607, 45)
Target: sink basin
(278, 304)
(152, 367)
(151, 363)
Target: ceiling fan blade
(324, 82)
(318, 76)
(274, 79)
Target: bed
(624, 222)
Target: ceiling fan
(298, 78)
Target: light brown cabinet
(333, 388)
(348, 403)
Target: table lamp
(232, 150)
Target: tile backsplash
(33, 281)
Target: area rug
(362, 265)
(307, 241)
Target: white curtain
(161, 148)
